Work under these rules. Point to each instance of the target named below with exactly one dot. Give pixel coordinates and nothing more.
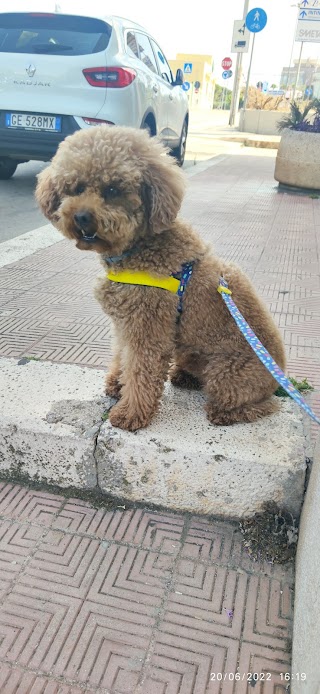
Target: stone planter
(259, 121)
(298, 157)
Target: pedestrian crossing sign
(187, 68)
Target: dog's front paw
(121, 417)
(113, 387)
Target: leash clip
(223, 287)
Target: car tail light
(114, 77)
(96, 121)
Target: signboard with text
(308, 25)
(240, 37)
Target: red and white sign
(226, 63)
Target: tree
(273, 86)
(218, 98)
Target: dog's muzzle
(85, 222)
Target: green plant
(298, 118)
(301, 386)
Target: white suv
(60, 73)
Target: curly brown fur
(113, 189)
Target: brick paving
(132, 600)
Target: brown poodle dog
(114, 191)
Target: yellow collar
(144, 278)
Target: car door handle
(155, 88)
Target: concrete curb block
(183, 462)
(306, 626)
(52, 430)
(35, 446)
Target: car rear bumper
(24, 145)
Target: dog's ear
(47, 195)
(163, 190)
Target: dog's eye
(80, 188)
(109, 192)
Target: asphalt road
(19, 211)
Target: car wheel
(179, 152)
(7, 168)
(150, 126)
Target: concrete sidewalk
(116, 600)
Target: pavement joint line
(169, 585)
(231, 565)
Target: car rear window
(52, 34)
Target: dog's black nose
(84, 219)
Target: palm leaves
(297, 119)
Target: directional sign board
(256, 20)
(240, 37)
(187, 68)
(186, 86)
(308, 26)
(227, 74)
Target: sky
(205, 28)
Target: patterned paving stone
(21, 503)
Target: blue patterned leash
(261, 351)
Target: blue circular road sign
(226, 74)
(256, 20)
(186, 86)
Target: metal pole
(298, 73)
(249, 73)
(292, 49)
(237, 76)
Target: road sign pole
(292, 49)
(237, 77)
(249, 73)
(298, 73)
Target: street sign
(197, 85)
(226, 63)
(186, 86)
(276, 92)
(308, 31)
(308, 26)
(227, 74)
(187, 68)
(256, 20)
(240, 37)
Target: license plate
(28, 121)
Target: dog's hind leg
(187, 369)
(245, 413)
(183, 379)
(239, 389)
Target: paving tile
(158, 531)
(183, 665)
(22, 503)
(14, 680)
